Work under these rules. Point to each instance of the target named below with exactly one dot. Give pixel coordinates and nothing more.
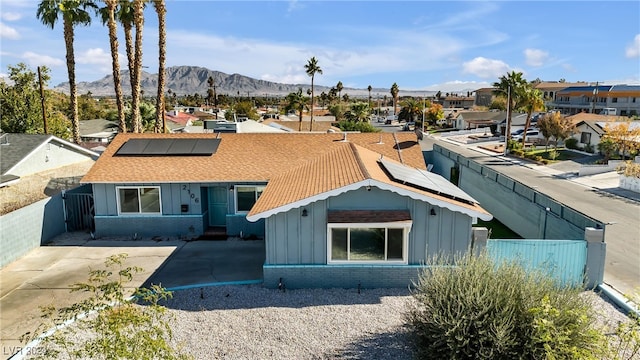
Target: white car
(531, 134)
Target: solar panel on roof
(425, 180)
(169, 147)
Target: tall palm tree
(394, 94)
(125, 17)
(510, 85)
(108, 15)
(73, 12)
(360, 112)
(531, 101)
(339, 88)
(161, 10)
(312, 68)
(369, 88)
(296, 101)
(138, 23)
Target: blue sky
(420, 45)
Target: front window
(366, 243)
(139, 200)
(585, 138)
(246, 197)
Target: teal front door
(218, 205)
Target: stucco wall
(27, 228)
(49, 156)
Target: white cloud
(10, 16)
(485, 68)
(99, 57)
(633, 50)
(34, 59)
(458, 85)
(535, 57)
(7, 32)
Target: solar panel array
(425, 180)
(169, 147)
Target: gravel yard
(250, 322)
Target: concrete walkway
(42, 277)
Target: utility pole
(42, 102)
(595, 98)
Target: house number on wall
(192, 196)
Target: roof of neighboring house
(583, 116)
(292, 125)
(203, 115)
(180, 118)
(483, 117)
(98, 128)
(242, 157)
(17, 148)
(345, 168)
(599, 127)
(556, 85)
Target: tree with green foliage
(531, 101)
(161, 11)
(479, 309)
(434, 113)
(121, 327)
(410, 109)
(312, 68)
(108, 15)
(394, 95)
(360, 126)
(73, 13)
(369, 88)
(296, 101)
(358, 112)
(339, 88)
(510, 87)
(20, 108)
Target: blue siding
(564, 260)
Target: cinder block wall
(341, 276)
(27, 228)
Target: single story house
(28, 154)
(335, 210)
(478, 119)
(589, 133)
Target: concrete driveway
(42, 277)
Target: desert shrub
(589, 148)
(516, 152)
(571, 143)
(108, 324)
(482, 310)
(629, 169)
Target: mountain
(193, 79)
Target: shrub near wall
(480, 310)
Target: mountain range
(194, 79)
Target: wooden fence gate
(79, 211)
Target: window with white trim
(246, 197)
(367, 243)
(139, 200)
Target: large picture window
(246, 197)
(139, 200)
(366, 243)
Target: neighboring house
(589, 133)
(247, 126)
(484, 97)
(463, 102)
(625, 99)
(478, 119)
(27, 154)
(549, 89)
(320, 124)
(177, 121)
(98, 131)
(334, 209)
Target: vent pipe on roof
(344, 137)
(380, 141)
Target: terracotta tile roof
(180, 118)
(343, 169)
(243, 157)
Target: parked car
(531, 134)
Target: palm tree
(138, 22)
(296, 101)
(125, 17)
(360, 112)
(369, 88)
(339, 88)
(510, 86)
(312, 68)
(161, 10)
(411, 108)
(73, 12)
(394, 93)
(108, 14)
(531, 101)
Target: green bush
(571, 143)
(357, 126)
(482, 310)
